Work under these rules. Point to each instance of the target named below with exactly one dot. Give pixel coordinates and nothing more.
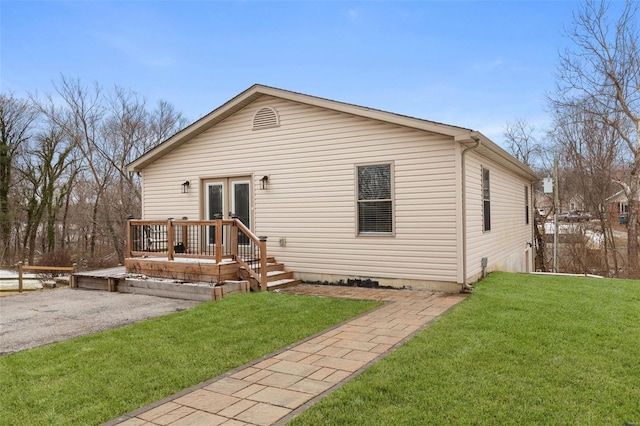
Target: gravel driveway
(33, 319)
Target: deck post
(234, 239)
(112, 284)
(263, 264)
(170, 238)
(73, 283)
(129, 239)
(19, 277)
(218, 241)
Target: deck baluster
(263, 263)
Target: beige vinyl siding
(311, 197)
(505, 244)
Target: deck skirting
(181, 290)
(185, 271)
(150, 282)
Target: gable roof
(460, 134)
(619, 196)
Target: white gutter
(465, 286)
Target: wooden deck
(184, 269)
(120, 280)
(98, 279)
(212, 251)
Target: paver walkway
(278, 387)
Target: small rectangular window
(526, 204)
(375, 207)
(486, 201)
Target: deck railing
(219, 239)
(21, 268)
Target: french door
(225, 198)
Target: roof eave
(459, 134)
(503, 157)
(196, 128)
(256, 91)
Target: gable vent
(265, 118)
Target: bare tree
(80, 117)
(59, 171)
(125, 130)
(165, 121)
(591, 149)
(96, 133)
(16, 118)
(46, 182)
(601, 73)
(31, 183)
(522, 143)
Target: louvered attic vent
(265, 118)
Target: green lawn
(92, 379)
(522, 350)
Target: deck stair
(277, 276)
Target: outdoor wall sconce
(263, 182)
(185, 187)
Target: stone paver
(274, 389)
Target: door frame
(227, 186)
(231, 182)
(206, 184)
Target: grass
(523, 349)
(92, 379)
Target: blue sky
(475, 64)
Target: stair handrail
(261, 243)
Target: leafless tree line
(596, 128)
(64, 187)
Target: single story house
(618, 207)
(348, 192)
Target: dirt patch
(28, 320)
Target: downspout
(533, 211)
(465, 286)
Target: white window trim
(393, 201)
(527, 200)
(482, 170)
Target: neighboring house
(576, 204)
(344, 191)
(544, 204)
(618, 207)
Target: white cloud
(488, 66)
(352, 14)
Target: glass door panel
(230, 196)
(214, 207)
(241, 205)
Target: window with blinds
(375, 206)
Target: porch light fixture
(185, 187)
(263, 182)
